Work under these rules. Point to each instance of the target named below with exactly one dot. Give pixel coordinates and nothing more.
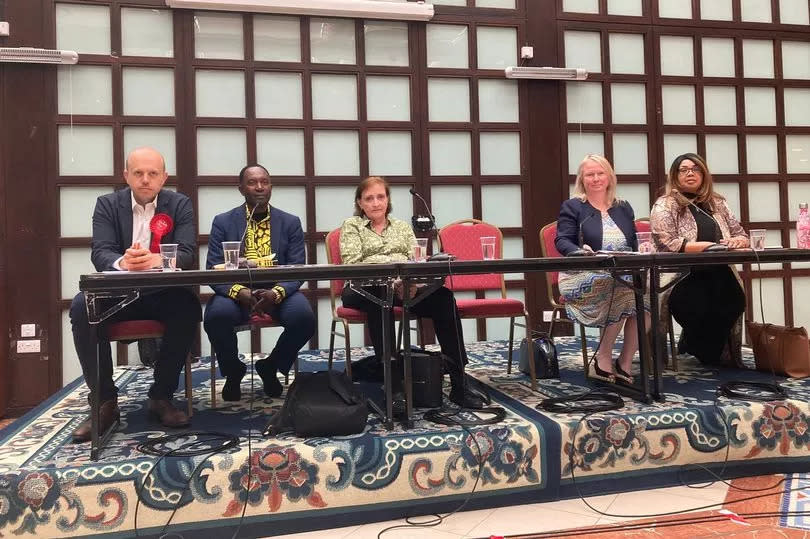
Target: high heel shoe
(599, 374)
(621, 375)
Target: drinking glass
(420, 250)
(168, 255)
(645, 244)
(488, 247)
(757, 237)
(230, 250)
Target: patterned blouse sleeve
(664, 226)
(734, 227)
(351, 244)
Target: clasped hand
(398, 289)
(257, 301)
(737, 242)
(137, 258)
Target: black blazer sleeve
(567, 239)
(106, 246)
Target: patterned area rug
(797, 498)
(50, 488)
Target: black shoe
(622, 376)
(233, 385)
(267, 370)
(599, 374)
(467, 399)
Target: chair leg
(553, 320)
(512, 344)
(332, 342)
(673, 346)
(213, 378)
(346, 340)
(188, 387)
(584, 341)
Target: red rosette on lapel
(160, 225)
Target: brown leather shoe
(108, 415)
(169, 415)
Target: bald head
(145, 173)
(147, 152)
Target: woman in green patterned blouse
(372, 236)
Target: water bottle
(803, 227)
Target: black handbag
(320, 404)
(546, 363)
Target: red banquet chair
(129, 331)
(463, 239)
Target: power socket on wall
(32, 346)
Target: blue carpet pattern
(50, 488)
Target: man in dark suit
(263, 230)
(125, 226)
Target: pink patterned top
(673, 224)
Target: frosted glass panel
(447, 46)
(356, 334)
(84, 29)
(793, 12)
(719, 105)
(500, 154)
(448, 100)
(75, 261)
(333, 205)
(675, 9)
(718, 57)
(292, 200)
(386, 43)
(281, 151)
(624, 7)
(757, 58)
(213, 200)
(677, 56)
(677, 144)
(147, 32)
(798, 154)
(630, 153)
(337, 153)
(501, 205)
(763, 201)
(760, 106)
(276, 39)
(76, 206)
(797, 106)
(773, 295)
(389, 153)
(716, 10)
(498, 328)
(498, 101)
(71, 368)
(801, 307)
(581, 144)
(402, 201)
(159, 138)
(451, 203)
(218, 35)
(628, 103)
(730, 190)
(450, 2)
(513, 248)
(584, 102)
(678, 104)
(581, 6)
(334, 97)
(450, 154)
(220, 151)
(504, 4)
(84, 89)
(756, 10)
(220, 93)
(85, 150)
(762, 155)
(795, 60)
(332, 41)
(626, 53)
(721, 154)
(388, 99)
(279, 95)
(638, 195)
(497, 47)
(583, 50)
(798, 192)
(148, 91)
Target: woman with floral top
(373, 236)
(709, 302)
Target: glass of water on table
(230, 251)
(168, 256)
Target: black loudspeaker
(428, 371)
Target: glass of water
(420, 250)
(757, 236)
(488, 247)
(230, 249)
(168, 255)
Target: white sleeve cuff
(117, 263)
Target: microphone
(421, 222)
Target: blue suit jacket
(112, 227)
(286, 241)
(576, 214)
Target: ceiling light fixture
(549, 73)
(361, 9)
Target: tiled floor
(543, 519)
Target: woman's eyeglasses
(685, 171)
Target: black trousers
(177, 308)
(440, 306)
(707, 304)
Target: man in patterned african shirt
(264, 230)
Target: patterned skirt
(588, 298)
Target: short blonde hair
(579, 186)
